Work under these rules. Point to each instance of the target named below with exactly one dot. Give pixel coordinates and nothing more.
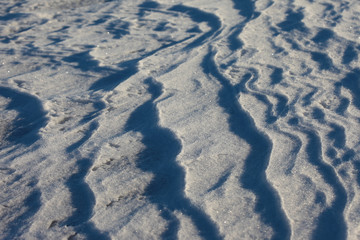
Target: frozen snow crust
(233, 119)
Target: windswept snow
(182, 119)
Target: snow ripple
(182, 119)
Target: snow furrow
(166, 189)
(254, 178)
(233, 119)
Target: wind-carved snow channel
(232, 119)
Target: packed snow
(180, 119)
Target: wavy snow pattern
(166, 189)
(30, 118)
(331, 224)
(88, 81)
(253, 178)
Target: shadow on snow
(166, 190)
(30, 119)
(268, 203)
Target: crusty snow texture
(180, 119)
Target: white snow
(182, 119)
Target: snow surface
(180, 119)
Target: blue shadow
(318, 114)
(282, 107)
(337, 135)
(343, 106)
(350, 54)
(101, 20)
(293, 21)
(118, 28)
(32, 204)
(323, 36)
(93, 126)
(254, 179)
(246, 8)
(323, 60)
(331, 223)
(111, 81)
(84, 61)
(13, 16)
(147, 6)
(83, 200)
(166, 190)
(30, 119)
(307, 99)
(352, 83)
(276, 76)
(199, 16)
